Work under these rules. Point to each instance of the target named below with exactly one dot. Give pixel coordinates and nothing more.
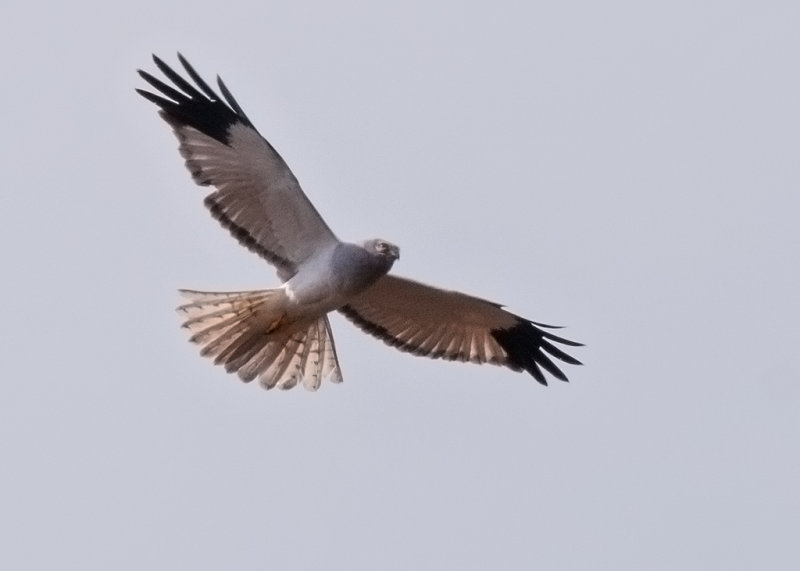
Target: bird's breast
(329, 283)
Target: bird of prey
(282, 336)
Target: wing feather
(432, 322)
(256, 197)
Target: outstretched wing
(441, 324)
(257, 198)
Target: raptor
(282, 336)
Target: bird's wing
(435, 323)
(256, 196)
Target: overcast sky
(626, 169)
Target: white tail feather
(249, 333)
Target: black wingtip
(527, 349)
(196, 106)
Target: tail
(248, 332)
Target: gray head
(383, 250)
(354, 267)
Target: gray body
(329, 279)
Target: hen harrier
(282, 336)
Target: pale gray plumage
(282, 336)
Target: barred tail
(248, 332)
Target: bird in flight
(282, 336)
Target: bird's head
(383, 249)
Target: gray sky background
(627, 169)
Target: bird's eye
(381, 246)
